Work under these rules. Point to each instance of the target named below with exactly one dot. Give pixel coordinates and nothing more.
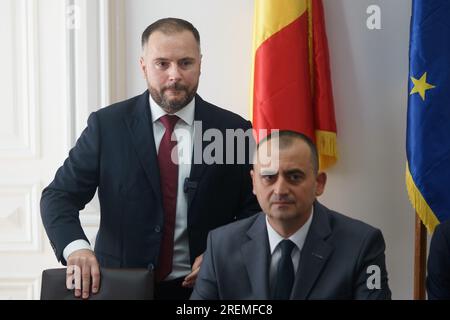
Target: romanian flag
(428, 120)
(291, 73)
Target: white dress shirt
(298, 238)
(184, 132)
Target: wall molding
(20, 223)
(25, 141)
(96, 55)
(28, 285)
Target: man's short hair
(285, 139)
(169, 26)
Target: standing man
(156, 207)
(296, 248)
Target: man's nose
(281, 186)
(174, 72)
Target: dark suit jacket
(333, 262)
(117, 154)
(438, 279)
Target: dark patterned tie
(285, 272)
(168, 171)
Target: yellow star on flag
(421, 86)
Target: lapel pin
(317, 255)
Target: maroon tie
(168, 171)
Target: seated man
(438, 279)
(296, 248)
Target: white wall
(33, 136)
(369, 74)
(54, 73)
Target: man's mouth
(282, 202)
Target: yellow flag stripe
(273, 15)
(270, 16)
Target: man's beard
(173, 105)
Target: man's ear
(252, 174)
(143, 67)
(321, 180)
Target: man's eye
(161, 64)
(268, 177)
(295, 177)
(185, 63)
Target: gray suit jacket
(334, 262)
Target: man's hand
(189, 281)
(81, 266)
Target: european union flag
(428, 121)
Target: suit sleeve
(438, 279)
(249, 203)
(371, 280)
(206, 283)
(73, 187)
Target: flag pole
(420, 261)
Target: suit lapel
(314, 255)
(140, 128)
(198, 166)
(256, 254)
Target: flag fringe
(326, 142)
(419, 204)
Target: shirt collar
(186, 114)
(298, 237)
